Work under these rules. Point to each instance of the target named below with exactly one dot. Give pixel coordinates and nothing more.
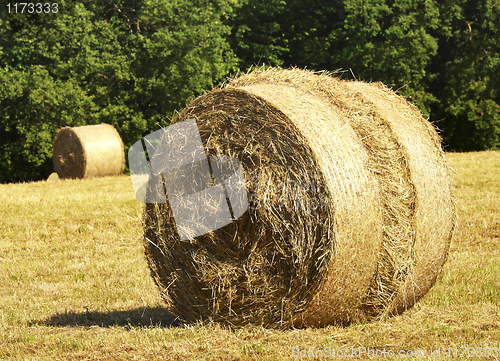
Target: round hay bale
(88, 151)
(53, 177)
(350, 213)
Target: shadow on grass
(139, 317)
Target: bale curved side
(405, 156)
(88, 151)
(355, 201)
(435, 211)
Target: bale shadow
(138, 317)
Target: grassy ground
(74, 283)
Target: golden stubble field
(74, 283)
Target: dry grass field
(74, 284)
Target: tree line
(134, 63)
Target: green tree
(35, 100)
(468, 69)
(442, 55)
(126, 63)
(258, 32)
(378, 40)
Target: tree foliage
(469, 75)
(442, 55)
(126, 63)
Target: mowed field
(74, 284)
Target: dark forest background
(134, 63)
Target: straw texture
(340, 177)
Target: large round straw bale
(350, 214)
(88, 151)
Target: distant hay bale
(53, 177)
(88, 151)
(350, 214)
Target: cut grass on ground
(75, 284)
